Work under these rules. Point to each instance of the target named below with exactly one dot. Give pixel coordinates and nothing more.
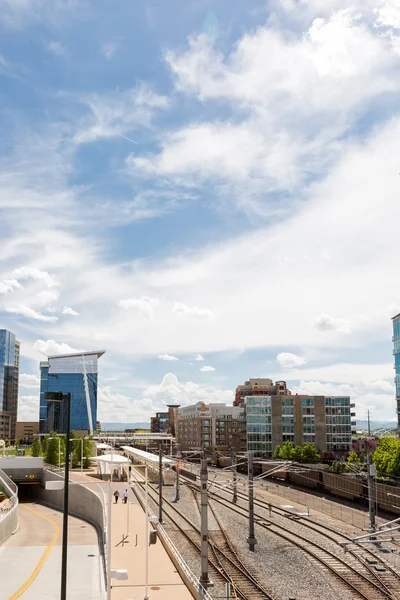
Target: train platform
(30, 560)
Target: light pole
(60, 397)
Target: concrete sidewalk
(164, 582)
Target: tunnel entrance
(28, 492)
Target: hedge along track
(360, 583)
(386, 577)
(229, 567)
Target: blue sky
(207, 190)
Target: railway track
(222, 547)
(357, 577)
(225, 561)
(362, 557)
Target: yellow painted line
(43, 558)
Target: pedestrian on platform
(125, 496)
(116, 496)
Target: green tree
(387, 457)
(36, 447)
(52, 450)
(278, 452)
(297, 454)
(88, 450)
(45, 443)
(353, 457)
(310, 454)
(287, 450)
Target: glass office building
(258, 425)
(396, 352)
(9, 374)
(75, 374)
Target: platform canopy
(103, 446)
(114, 459)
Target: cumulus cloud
(51, 348)
(167, 357)
(199, 357)
(28, 408)
(29, 381)
(108, 49)
(30, 313)
(207, 369)
(35, 274)
(48, 295)
(288, 360)
(67, 310)
(145, 305)
(328, 323)
(8, 285)
(194, 312)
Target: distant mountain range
(363, 424)
(121, 426)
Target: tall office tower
(9, 374)
(75, 374)
(396, 352)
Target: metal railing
(8, 508)
(182, 563)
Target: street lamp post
(60, 397)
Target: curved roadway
(30, 560)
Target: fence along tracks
(364, 582)
(225, 560)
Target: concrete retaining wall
(9, 510)
(83, 503)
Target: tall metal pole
(64, 556)
(204, 579)
(160, 483)
(234, 498)
(369, 425)
(108, 539)
(81, 456)
(251, 540)
(146, 593)
(371, 504)
(177, 475)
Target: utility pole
(234, 498)
(251, 540)
(177, 469)
(67, 398)
(369, 425)
(371, 504)
(204, 579)
(160, 483)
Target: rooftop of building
(396, 316)
(99, 353)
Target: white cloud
(28, 408)
(207, 369)
(19, 13)
(8, 285)
(30, 313)
(29, 381)
(288, 360)
(194, 312)
(388, 14)
(167, 357)
(35, 274)
(48, 295)
(145, 305)
(199, 357)
(67, 310)
(52, 348)
(57, 49)
(328, 323)
(108, 49)
(118, 113)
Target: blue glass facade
(74, 374)
(396, 352)
(9, 373)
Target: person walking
(125, 496)
(116, 496)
